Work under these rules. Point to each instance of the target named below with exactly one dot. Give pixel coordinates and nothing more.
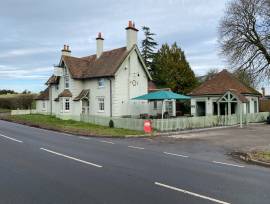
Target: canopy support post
(241, 115)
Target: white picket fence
(183, 123)
(126, 123)
(23, 112)
(176, 124)
(171, 124)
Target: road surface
(40, 166)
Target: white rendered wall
(130, 81)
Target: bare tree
(244, 35)
(210, 73)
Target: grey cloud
(33, 32)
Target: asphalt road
(40, 166)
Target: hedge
(19, 101)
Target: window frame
(66, 79)
(101, 104)
(43, 105)
(65, 102)
(101, 83)
(255, 106)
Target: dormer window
(66, 79)
(101, 83)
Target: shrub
(20, 101)
(111, 124)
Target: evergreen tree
(171, 69)
(148, 46)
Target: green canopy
(162, 95)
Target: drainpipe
(50, 91)
(110, 98)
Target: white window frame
(101, 83)
(43, 105)
(65, 102)
(66, 79)
(101, 104)
(255, 103)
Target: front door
(85, 106)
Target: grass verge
(2, 110)
(70, 126)
(261, 156)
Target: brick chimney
(131, 35)
(100, 40)
(66, 51)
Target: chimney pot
(131, 35)
(129, 23)
(66, 51)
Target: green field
(70, 126)
(9, 95)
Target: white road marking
(134, 147)
(235, 165)
(104, 141)
(10, 138)
(178, 155)
(191, 193)
(69, 157)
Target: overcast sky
(32, 32)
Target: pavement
(41, 166)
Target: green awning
(162, 95)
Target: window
(248, 107)
(67, 105)
(101, 83)
(43, 105)
(101, 104)
(255, 107)
(155, 105)
(66, 78)
(215, 108)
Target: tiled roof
(151, 85)
(53, 80)
(221, 83)
(65, 93)
(44, 95)
(91, 67)
(83, 94)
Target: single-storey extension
(224, 94)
